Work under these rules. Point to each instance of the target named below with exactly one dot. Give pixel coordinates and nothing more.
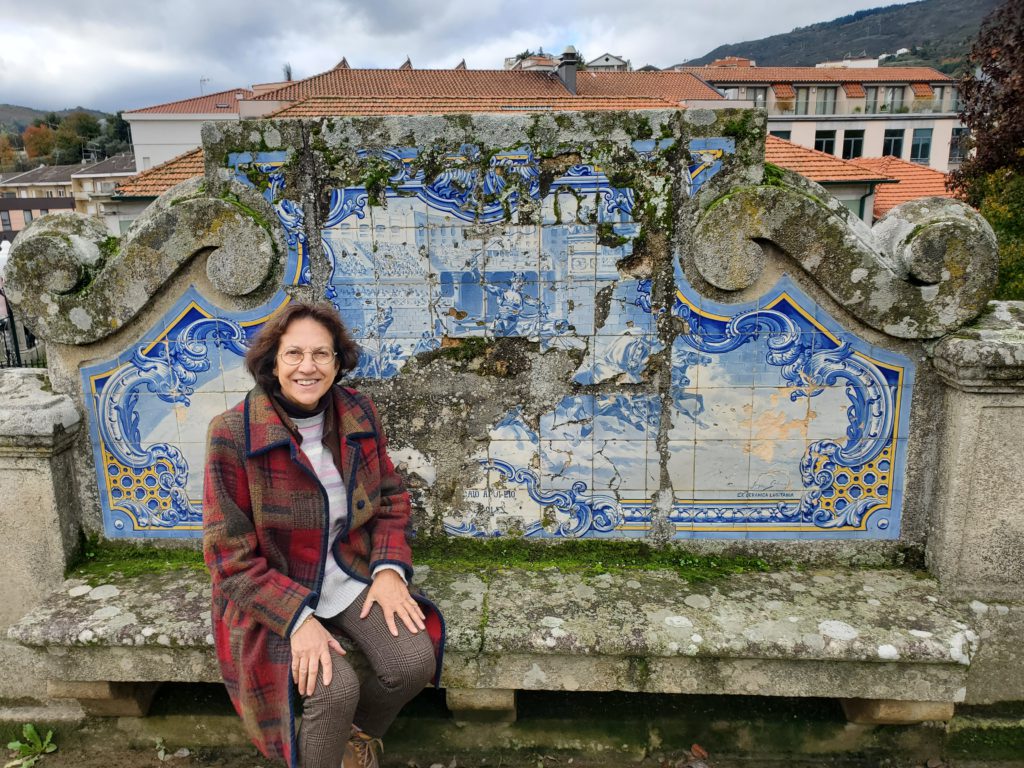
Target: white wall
(159, 138)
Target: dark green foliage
(937, 31)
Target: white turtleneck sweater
(338, 590)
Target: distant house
(93, 188)
(164, 131)
(850, 111)
(914, 181)
(26, 196)
(131, 197)
(609, 62)
(853, 184)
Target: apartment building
(93, 187)
(851, 111)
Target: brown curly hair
(262, 355)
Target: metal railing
(19, 348)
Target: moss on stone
(99, 560)
(607, 236)
(232, 199)
(586, 556)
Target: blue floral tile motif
(149, 408)
(816, 416)
(262, 170)
(707, 157)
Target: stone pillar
(39, 526)
(976, 544)
(977, 539)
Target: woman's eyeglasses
(295, 356)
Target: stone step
(878, 635)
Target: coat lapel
(263, 427)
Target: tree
(992, 177)
(76, 130)
(8, 156)
(38, 141)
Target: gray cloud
(97, 54)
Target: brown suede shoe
(362, 751)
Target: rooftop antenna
(202, 84)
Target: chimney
(567, 69)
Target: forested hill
(15, 119)
(939, 32)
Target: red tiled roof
(158, 179)
(671, 86)
(914, 181)
(491, 83)
(336, 106)
(854, 90)
(816, 166)
(419, 82)
(784, 90)
(922, 90)
(200, 105)
(719, 75)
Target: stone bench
(863, 636)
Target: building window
(825, 104)
(28, 217)
(5, 219)
(892, 142)
(781, 134)
(853, 144)
(894, 98)
(49, 193)
(731, 94)
(759, 96)
(803, 98)
(957, 145)
(60, 193)
(871, 99)
(43, 211)
(938, 96)
(825, 141)
(921, 146)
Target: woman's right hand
(311, 649)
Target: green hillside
(938, 32)
(15, 119)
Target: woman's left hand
(389, 591)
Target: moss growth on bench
(101, 559)
(580, 556)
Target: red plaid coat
(265, 528)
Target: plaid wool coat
(265, 523)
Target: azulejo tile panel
(770, 420)
(778, 422)
(149, 408)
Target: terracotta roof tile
(914, 181)
(784, 90)
(158, 179)
(336, 106)
(719, 75)
(671, 86)
(48, 174)
(922, 90)
(214, 103)
(816, 166)
(854, 90)
(481, 83)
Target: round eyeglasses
(296, 356)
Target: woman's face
(304, 384)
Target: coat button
(360, 504)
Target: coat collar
(265, 430)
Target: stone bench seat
(884, 641)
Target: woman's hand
(390, 592)
(311, 649)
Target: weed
(31, 750)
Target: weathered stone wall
(614, 325)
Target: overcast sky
(126, 55)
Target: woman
(304, 534)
